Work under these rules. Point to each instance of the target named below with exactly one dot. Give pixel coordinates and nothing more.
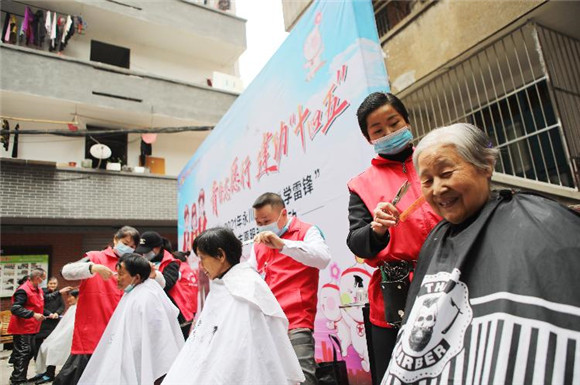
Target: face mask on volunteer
(273, 227)
(393, 143)
(123, 249)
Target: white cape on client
(241, 337)
(56, 347)
(140, 342)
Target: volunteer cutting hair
(377, 197)
(142, 337)
(98, 298)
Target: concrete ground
(6, 370)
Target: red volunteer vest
(184, 292)
(97, 302)
(34, 302)
(294, 284)
(379, 183)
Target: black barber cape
(496, 299)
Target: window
(504, 90)
(388, 13)
(116, 141)
(110, 54)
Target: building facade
(127, 70)
(511, 68)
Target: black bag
(395, 284)
(332, 372)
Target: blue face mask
(122, 249)
(393, 143)
(129, 287)
(273, 227)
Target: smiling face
(52, 284)
(384, 121)
(454, 188)
(213, 267)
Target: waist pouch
(395, 282)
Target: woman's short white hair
(471, 143)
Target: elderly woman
(495, 294)
(241, 336)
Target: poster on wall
(14, 267)
(294, 131)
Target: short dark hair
(128, 230)
(135, 264)
(269, 198)
(375, 101)
(181, 255)
(74, 293)
(211, 240)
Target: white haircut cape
(241, 337)
(140, 342)
(56, 347)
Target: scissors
(401, 192)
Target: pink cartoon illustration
(313, 48)
(354, 283)
(330, 306)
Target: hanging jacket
(379, 183)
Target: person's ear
(221, 254)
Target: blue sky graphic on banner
(294, 131)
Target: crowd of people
(458, 268)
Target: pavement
(6, 370)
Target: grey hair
(37, 272)
(471, 143)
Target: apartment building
(146, 79)
(510, 67)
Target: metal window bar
(505, 90)
(561, 56)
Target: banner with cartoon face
(294, 131)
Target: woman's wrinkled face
(52, 284)
(212, 267)
(384, 121)
(454, 188)
(124, 279)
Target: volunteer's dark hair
(269, 198)
(167, 245)
(128, 230)
(375, 101)
(181, 255)
(23, 279)
(135, 264)
(74, 293)
(211, 240)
